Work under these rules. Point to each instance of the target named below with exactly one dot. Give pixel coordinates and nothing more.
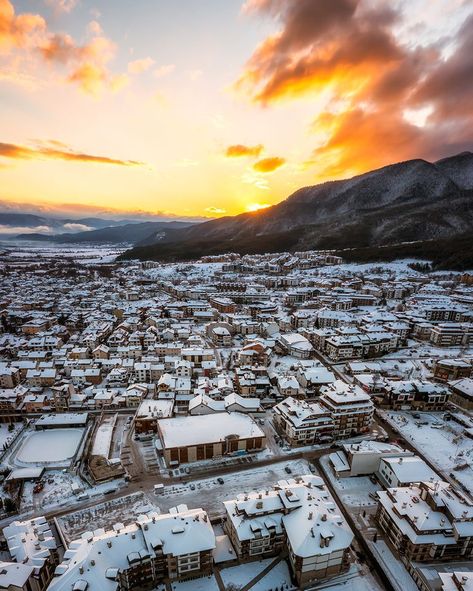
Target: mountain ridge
(413, 200)
(125, 233)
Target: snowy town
(254, 423)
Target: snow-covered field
(52, 447)
(86, 254)
(443, 442)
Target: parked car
(220, 480)
(288, 470)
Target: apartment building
(452, 334)
(303, 423)
(156, 548)
(297, 515)
(31, 543)
(350, 407)
(428, 522)
(446, 370)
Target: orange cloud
(90, 77)
(87, 64)
(47, 151)
(350, 50)
(18, 30)
(239, 150)
(267, 165)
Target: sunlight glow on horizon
(104, 107)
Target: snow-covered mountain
(412, 200)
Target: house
(446, 370)
(311, 379)
(288, 386)
(462, 393)
(9, 377)
(235, 403)
(17, 577)
(150, 412)
(416, 394)
(202, 404)
(219, 333)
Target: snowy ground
(279, 577)
(202, 584)
(6, 436)
(86, 254)
(124, 510)
(393, 567)
(234, 483)
(52, 447)
(443, 442)
(173, 270)
(423, 349)
(242, 574)
(59, 488)
(357, 491)
(400, 268)
(62, 489)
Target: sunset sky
(216, 107)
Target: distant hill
(409, 201)
(29, 220)
(123, 234)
